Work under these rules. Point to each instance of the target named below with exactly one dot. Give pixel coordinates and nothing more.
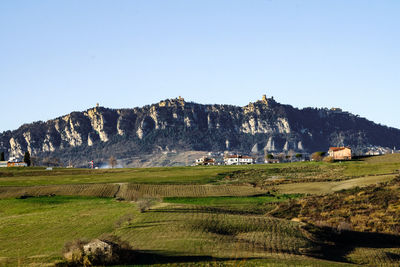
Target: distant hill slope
(177, 126)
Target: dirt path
(120, 185)
(330, 187)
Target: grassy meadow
(294, 214)
(211, 201)
(34, 230)
(256, 174)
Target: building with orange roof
(340, 153)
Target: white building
(238, 160)
(205, 161)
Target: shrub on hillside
(374, 208)
(269, 156)
(106, 250)
(73, 251)
(328, 159)
(318, 156)
(145, 204)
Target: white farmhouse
(238, 160)
(205, 161)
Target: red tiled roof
(338, 148)
(237, 156)
(232, 156)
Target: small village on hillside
(226, 158)
(333, 154)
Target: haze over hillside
(166, 133)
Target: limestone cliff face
(176, 125)
(15, 147)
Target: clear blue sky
(62, 56)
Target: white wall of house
(238, 161)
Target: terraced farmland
(202, 216)
(188, 230)
(136, 191)
(40, 226)
(330, 187)
(130, 191)
(97, 190)
(262, 174)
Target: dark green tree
(2, 158)
(27, 158)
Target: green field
(263, 173)
(230, 200)
(165, 175)
(34, 230)
(204, 216)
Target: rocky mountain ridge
(175, 125)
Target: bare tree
(35, 161)
(281, 157)
(144, 204)
(318, 156)
(291, 154)
(112, 161)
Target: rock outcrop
(175, 125)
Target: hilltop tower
(181, 100)
(264, 99)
